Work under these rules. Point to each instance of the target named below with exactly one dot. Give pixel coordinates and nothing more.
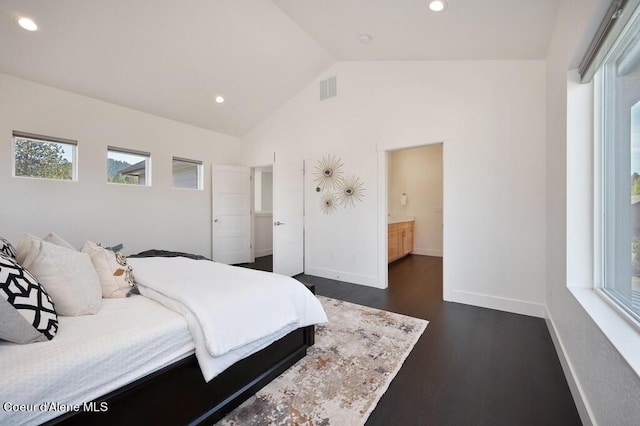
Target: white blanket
(231, 312)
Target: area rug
(343, 376)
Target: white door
(231, 208)
(288, 220)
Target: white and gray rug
(343, 376)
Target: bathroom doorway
(414, 209)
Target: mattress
(90, 356)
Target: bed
(137, 359)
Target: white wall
(605, 387)
(263, 189)
(266, 189)
(263, 218)
(263, 234)
(491, 115)
(417, 172)
(90, 209)
(342, 245)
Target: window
(619, 156)
(43, 157)
(186, 173)
(128, 167)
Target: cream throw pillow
(113, 271)
(67, 275)
(27, 250)
(56, 239)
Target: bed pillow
(7, 249)
(116, 278)
(27, 313)
(56, 239)
(68, 276)
(26, 251)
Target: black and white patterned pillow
(7, 249)
(27, 313)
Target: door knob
(278, 223)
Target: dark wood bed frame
(178, 394)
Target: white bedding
(130, 338)
(90, 356)
(231, 312)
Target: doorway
(280, 203)
(277, 215)
(262, 217)
(414, 208)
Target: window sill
(623, 335)
(182, 188)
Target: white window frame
(608, 195)
(147, 164)
(583, 221)
(199, 177)
(583, 203)
(45, 139)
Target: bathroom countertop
(398, 219)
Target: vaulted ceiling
(172, 58)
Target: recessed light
(437, 5)
(27, 24)
(219, 99)
(365, 38)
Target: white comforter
(90, 356)
(231, 312)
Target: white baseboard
(499, 303)
(343, 276)
(582, 406)
(264, 252)
(427, 252)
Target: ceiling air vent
(328, 88)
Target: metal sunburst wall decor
(328, 173)
(333, 187)
(328, 203)
(350, 191)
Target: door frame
(252, 215)
(383, 179)
(253, 208)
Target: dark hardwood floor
(264, 263)
(472, 366)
